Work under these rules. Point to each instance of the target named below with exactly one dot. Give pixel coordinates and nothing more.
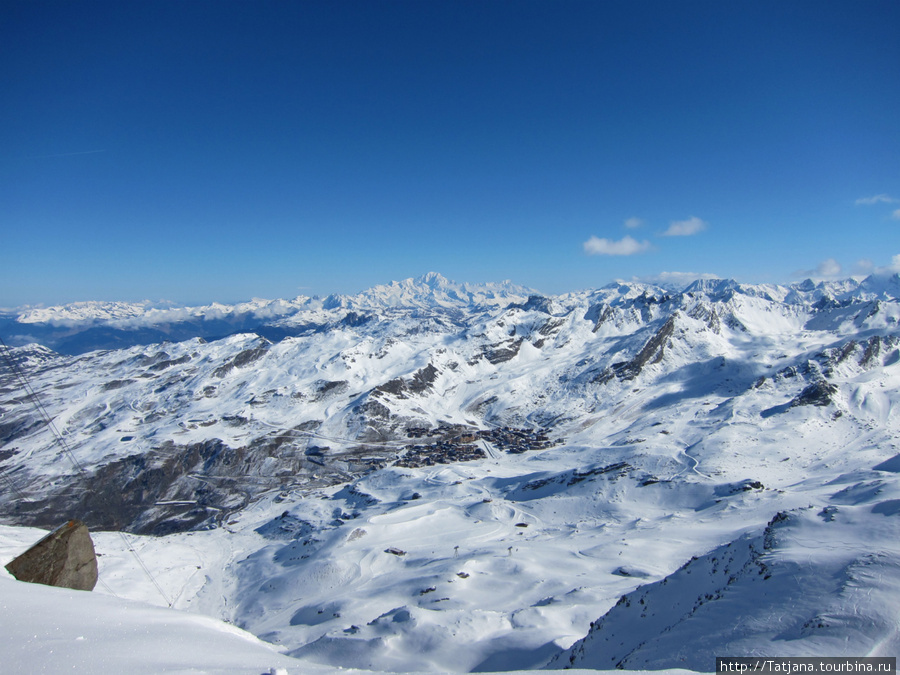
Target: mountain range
(477, 477)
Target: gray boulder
(64, 558)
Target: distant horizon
(675, 281)
(220, 149)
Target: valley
(441, 477)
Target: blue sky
(197, 151)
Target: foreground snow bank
(53, 630)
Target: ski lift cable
(106, 587)
(35, 400)
(144, 567)
(14, 487)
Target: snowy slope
(815, 581)
(60, 630)
(81, 327)
(283, 472)
(75, 632)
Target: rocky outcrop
(421, 380)
(599, 315)
(627, 636)
(500, 353)
(708, 315)
(175, 488)
(63, 558)
(819, 393)
(244, 358)
(326, 389)
(875, 347)
(652, 352)
(535, 303)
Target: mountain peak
(433, 290)
(713, 287)
(884, 286)
(433, 279)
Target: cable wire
(42, 411)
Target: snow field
(691, 456)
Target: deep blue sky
(197, 151)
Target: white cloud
(896, 215)
(895, 264)
(876, 199)
(828, 268)
(685, 228)
(633, 223)
(864, 266)
(625, 246)
(867, 267)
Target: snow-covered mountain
(375, 481)
(81, 327)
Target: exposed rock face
(174, 488)
(535, 303)
(243, 359)
(420, 381)
(63, 558)
(818, 393)
(502, 352)
(652, 352)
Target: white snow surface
(648, 538)
(57, 630)
(428, 291)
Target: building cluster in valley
(516, 441)
(462, 444)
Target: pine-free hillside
(543, 464)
